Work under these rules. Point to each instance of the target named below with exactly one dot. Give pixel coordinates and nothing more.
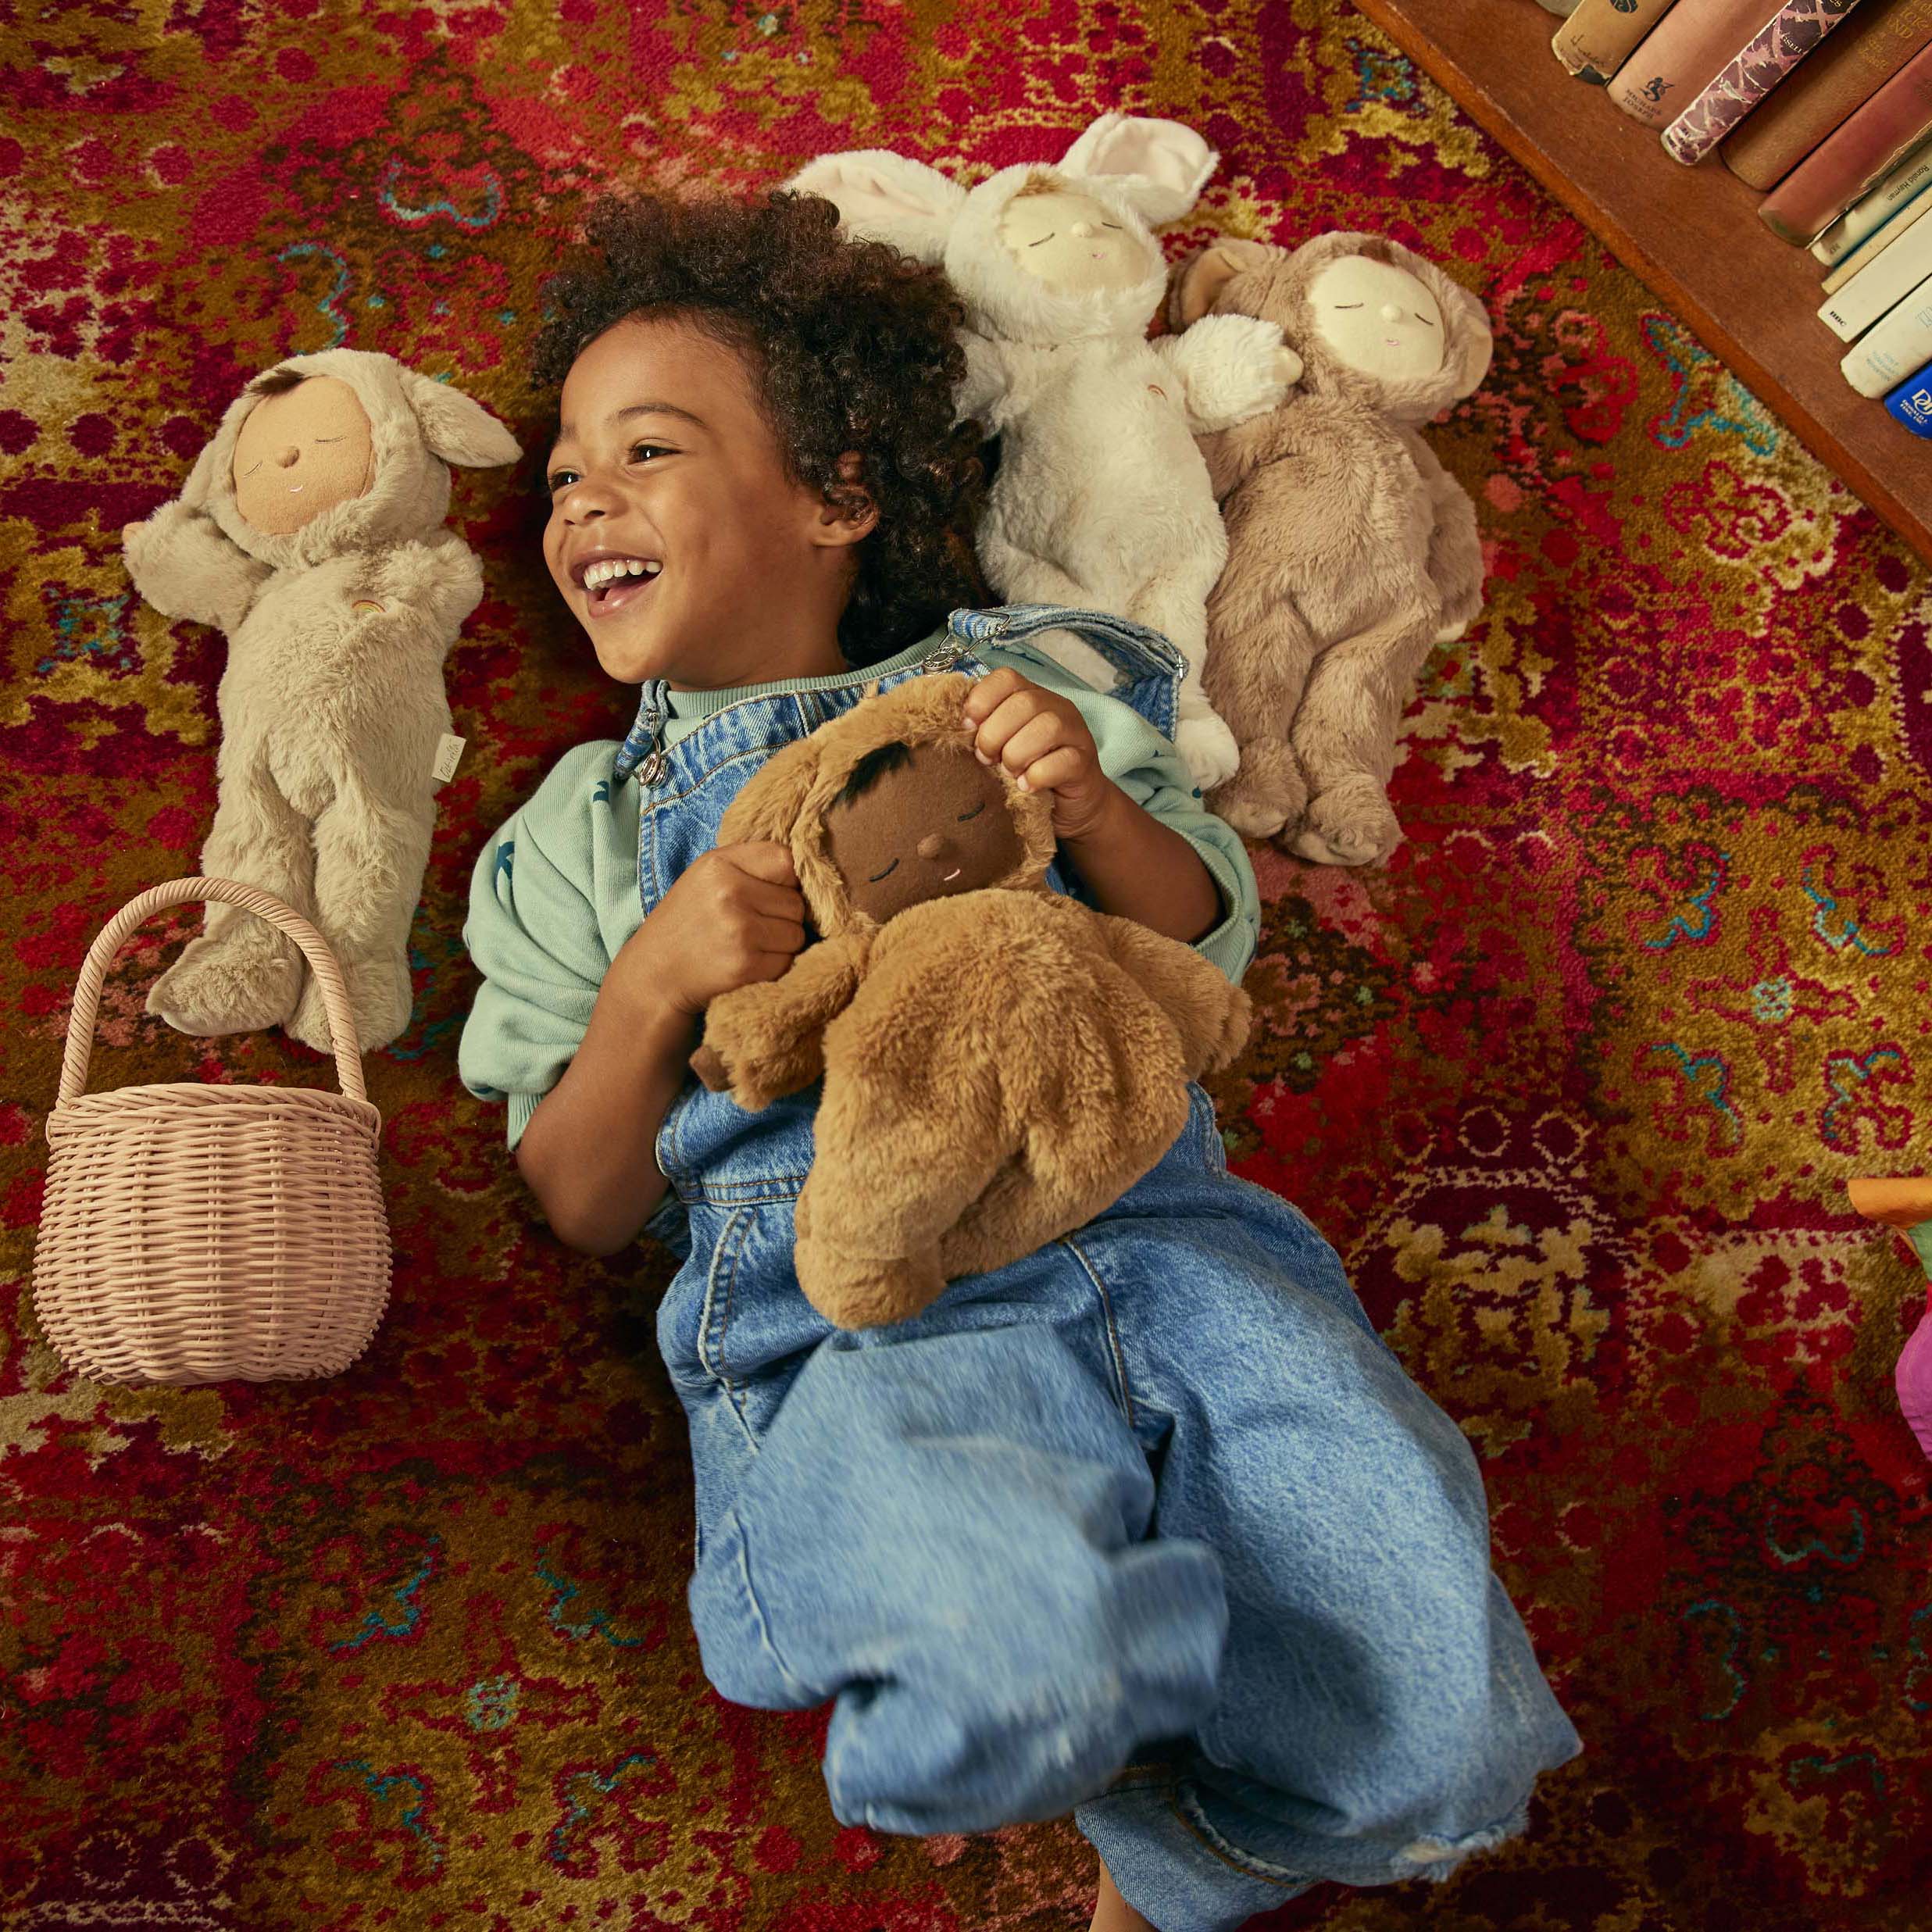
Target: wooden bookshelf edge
(1910, 517)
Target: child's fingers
(989, 692)
(763, 858)
(1010, 715)
(1032, 741)
(1065, 766)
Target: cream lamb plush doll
(1101, 501)
(310, 532)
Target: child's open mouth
(610, 583)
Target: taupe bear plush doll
(1350, 551)
(1001, 1062)
(310, 531)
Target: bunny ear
(884, 197)
(1160, 167)
(1198, 281)
(455, 427)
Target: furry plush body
(1101, 500)
(1351, 551)
(1000, 1064)
(331, 703)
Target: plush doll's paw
(852, 1292)
(708, 1063)
(1449, 632)
(1267, 796)
(216, 986)
(1207, 747)
(1350, 824)
(380, 999)
(1238, 366)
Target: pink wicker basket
(204, 1234)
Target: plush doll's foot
(1207, 747)
(1267, 796)
(217, 987)
(380, 998)
(854, 1292)
(1450, 633)
(1349, 824)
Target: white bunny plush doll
(1101, 501)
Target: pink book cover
(1770, 54)
(1820, 189)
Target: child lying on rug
(758, 505)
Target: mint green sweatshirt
(543, 931)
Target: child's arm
(590, 1152)
(1134, 866)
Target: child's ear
(851, 514)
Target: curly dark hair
(854, 347)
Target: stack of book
(1824, 105)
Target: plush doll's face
(301, 451)
(928, 821)
(1377, 318)
(1073, 242)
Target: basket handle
(87, 992)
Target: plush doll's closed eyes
(310, 532)
(1101, 500)
(1351, 551)
(1002, 1062)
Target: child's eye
(877, 876)
(561, 479)
(636, 451)
(974, 813)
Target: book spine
(1857, 157)
(1835, 82)
(1911, 402)
(1689, 48)
(1874, 245)
(1600, 36)
(1880, 286)
(1752, 73)
(1900, 344)
(1871, 212)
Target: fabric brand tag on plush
(449, 750)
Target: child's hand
(733, 916)
(1042, 738)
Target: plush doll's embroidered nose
(310, 532)
(1002, 1062)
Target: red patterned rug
(1575, 1084)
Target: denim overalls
(1151, 1523)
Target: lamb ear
(769, 804)
(1198, 281)
(881, 196)
(1159, 166)
(456, 428)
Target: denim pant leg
(946, 1535)
(1379, 1714)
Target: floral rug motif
(1575, 1084)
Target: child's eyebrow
(565, 432)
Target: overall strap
(1132, 649)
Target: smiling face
(929, 822)
(301, 451)
(1073, 243)
(678, 535)
(1377, 318)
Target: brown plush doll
(1350, 550)
(1002, 1062)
